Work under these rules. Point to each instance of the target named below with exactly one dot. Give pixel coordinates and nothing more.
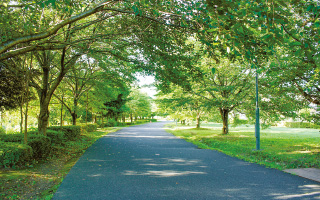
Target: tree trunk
(74, 118)
(61, 116)
(21, 117)
(123, 118)
(43, 118)
(131, 118)
(102, 119)
(198, 120)
(74, 113)
(26, 121)
(224, 116)
(25, 138)
(87, 108)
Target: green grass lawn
(282, 148)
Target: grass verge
(41, 180)
(282, 148)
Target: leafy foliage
(70, 132)
(41, 146)
(11, 88)
(12, 154)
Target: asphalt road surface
(145, 162)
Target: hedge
(301, 125)
(70, 132)
(41, 146)
(57, 137)
(12, 154)
(89, 127)
(2, 131)
(18, 137)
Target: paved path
(145, 162)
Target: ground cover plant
(41, 179)
(282, 148)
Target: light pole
(257, 126)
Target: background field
(282, 147)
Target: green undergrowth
(282, 148)
(42, 179)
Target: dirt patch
(40, 181)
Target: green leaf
(295, 44)
(210, 30)
(213, 70)
(241, 30)
(310, 8)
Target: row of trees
(279, 40)
(207, 49)
(72, 49)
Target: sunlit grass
(282, 147)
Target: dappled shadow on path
(304, 192)
(165, 167)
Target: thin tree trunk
(102, 118)
(26, 120)
(61, 116)
(123, 118)
(224, 116)
(26, 112)
(198, 120)
(21, 116)
(131, 118)
(87, 108)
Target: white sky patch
(144, 84)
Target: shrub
(70, 132)
(121, 124)
(2, 130)
(111, 123)
(12, 154)
(89, 127)
(153, 120)
(57, 137)
(41, 146)
(18, 137)
(301, 125)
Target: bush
(90, 127)
(153, 120)
(57, 137)
(2, 130)
(12, 154)
(41, 146)
(18, 137)
(301, 125)
(111, 123)
(70, 132)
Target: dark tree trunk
(123, 118)
(25, 138)
(74, 118)
(224, 116)
(131, 118)
(43, 118)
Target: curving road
(145, 162)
